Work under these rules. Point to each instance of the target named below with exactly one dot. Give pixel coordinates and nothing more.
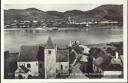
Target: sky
(60, 1)
(53, 7)
(57, 5)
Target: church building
(44, 61)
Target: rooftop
(31, 53)
(36, 53)
(62, 55)
(49, 44)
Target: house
(114, 69)
(45, 61)
(30, 61)
(107, 66)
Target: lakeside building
(51, 61)
(45, 61)
(69, 21)
(90, 22)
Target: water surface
(13, 39)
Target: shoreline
(60, 29)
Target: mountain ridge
(110, 12)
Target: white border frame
(124, 2)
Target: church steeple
(49, 44)
(50, 59)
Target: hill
(25, 14)
(110, 12)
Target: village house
(107, 65)
(44, 61)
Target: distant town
(60, 23)
(34, 18)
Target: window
(28, 65)
(49, 51)
(61, 67)
(40, 65)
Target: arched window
(61, 67)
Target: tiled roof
(62, 55)
(31, 53)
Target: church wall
(62, 67)
(64, 64)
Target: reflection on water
(13, 39)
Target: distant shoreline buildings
(67, 23)
(107, 14)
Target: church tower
(50, 59)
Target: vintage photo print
(64, 41)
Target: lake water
(13, 39)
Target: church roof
(36, 53)
(31, 53)
(62, 55)
(49, 44)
